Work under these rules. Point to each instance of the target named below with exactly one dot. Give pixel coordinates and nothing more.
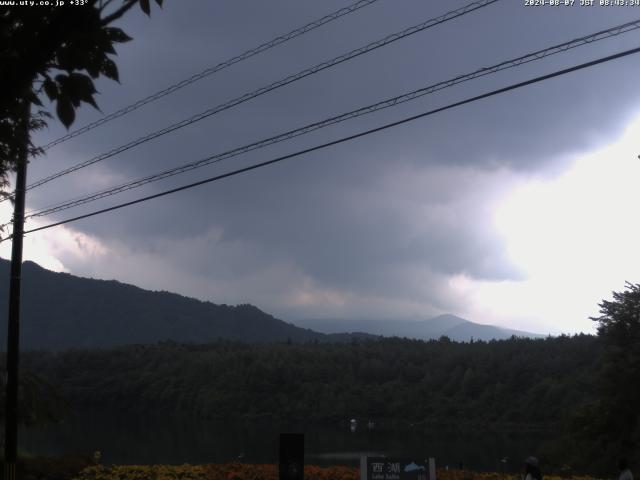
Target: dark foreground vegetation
(584, 391)
(518, 384)
(528, 383)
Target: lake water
(135, 439)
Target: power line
(211, 70)
(343, 139)
(280, 83)
(530, 57)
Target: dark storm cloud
(390, 216)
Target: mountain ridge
(61, 310)
(447, 325)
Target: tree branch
(105, 5)
(119, 12)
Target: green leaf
(63, 59)
(91, 101)
(82, 84)
(107, 47)
(81, 88)
(146, 8)
(50, 88)
(43, 114)
(65, 112)
(93, 65)
(110, 70)
(33, 98)
(117, 35)
(103, 42)
(74, 89)
(61, 79)
(73, 56)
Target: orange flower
(239, 471)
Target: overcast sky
(519, 210)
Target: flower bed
(239, 471)
(227, 471)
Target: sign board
(390, 468)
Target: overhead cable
(406, 97)
(342, 140)
(273, 86)
(211, 70)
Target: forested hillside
(532, 383)
(61, 311)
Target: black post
(291, 456)
(13, 334)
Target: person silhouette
(625, 472)
(532, 469)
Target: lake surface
(135, 439)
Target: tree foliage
(619, 380)
(39, 402)
(521, 383)
(51, 56)
(551, 387)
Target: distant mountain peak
(449, 325)
(60, 310)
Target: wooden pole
(13, 334)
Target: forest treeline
(583, 390)
(577, 391)
(525, 382)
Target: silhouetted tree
(57, 52)
(619, 331)
(39, 402)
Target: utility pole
(13, 334)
